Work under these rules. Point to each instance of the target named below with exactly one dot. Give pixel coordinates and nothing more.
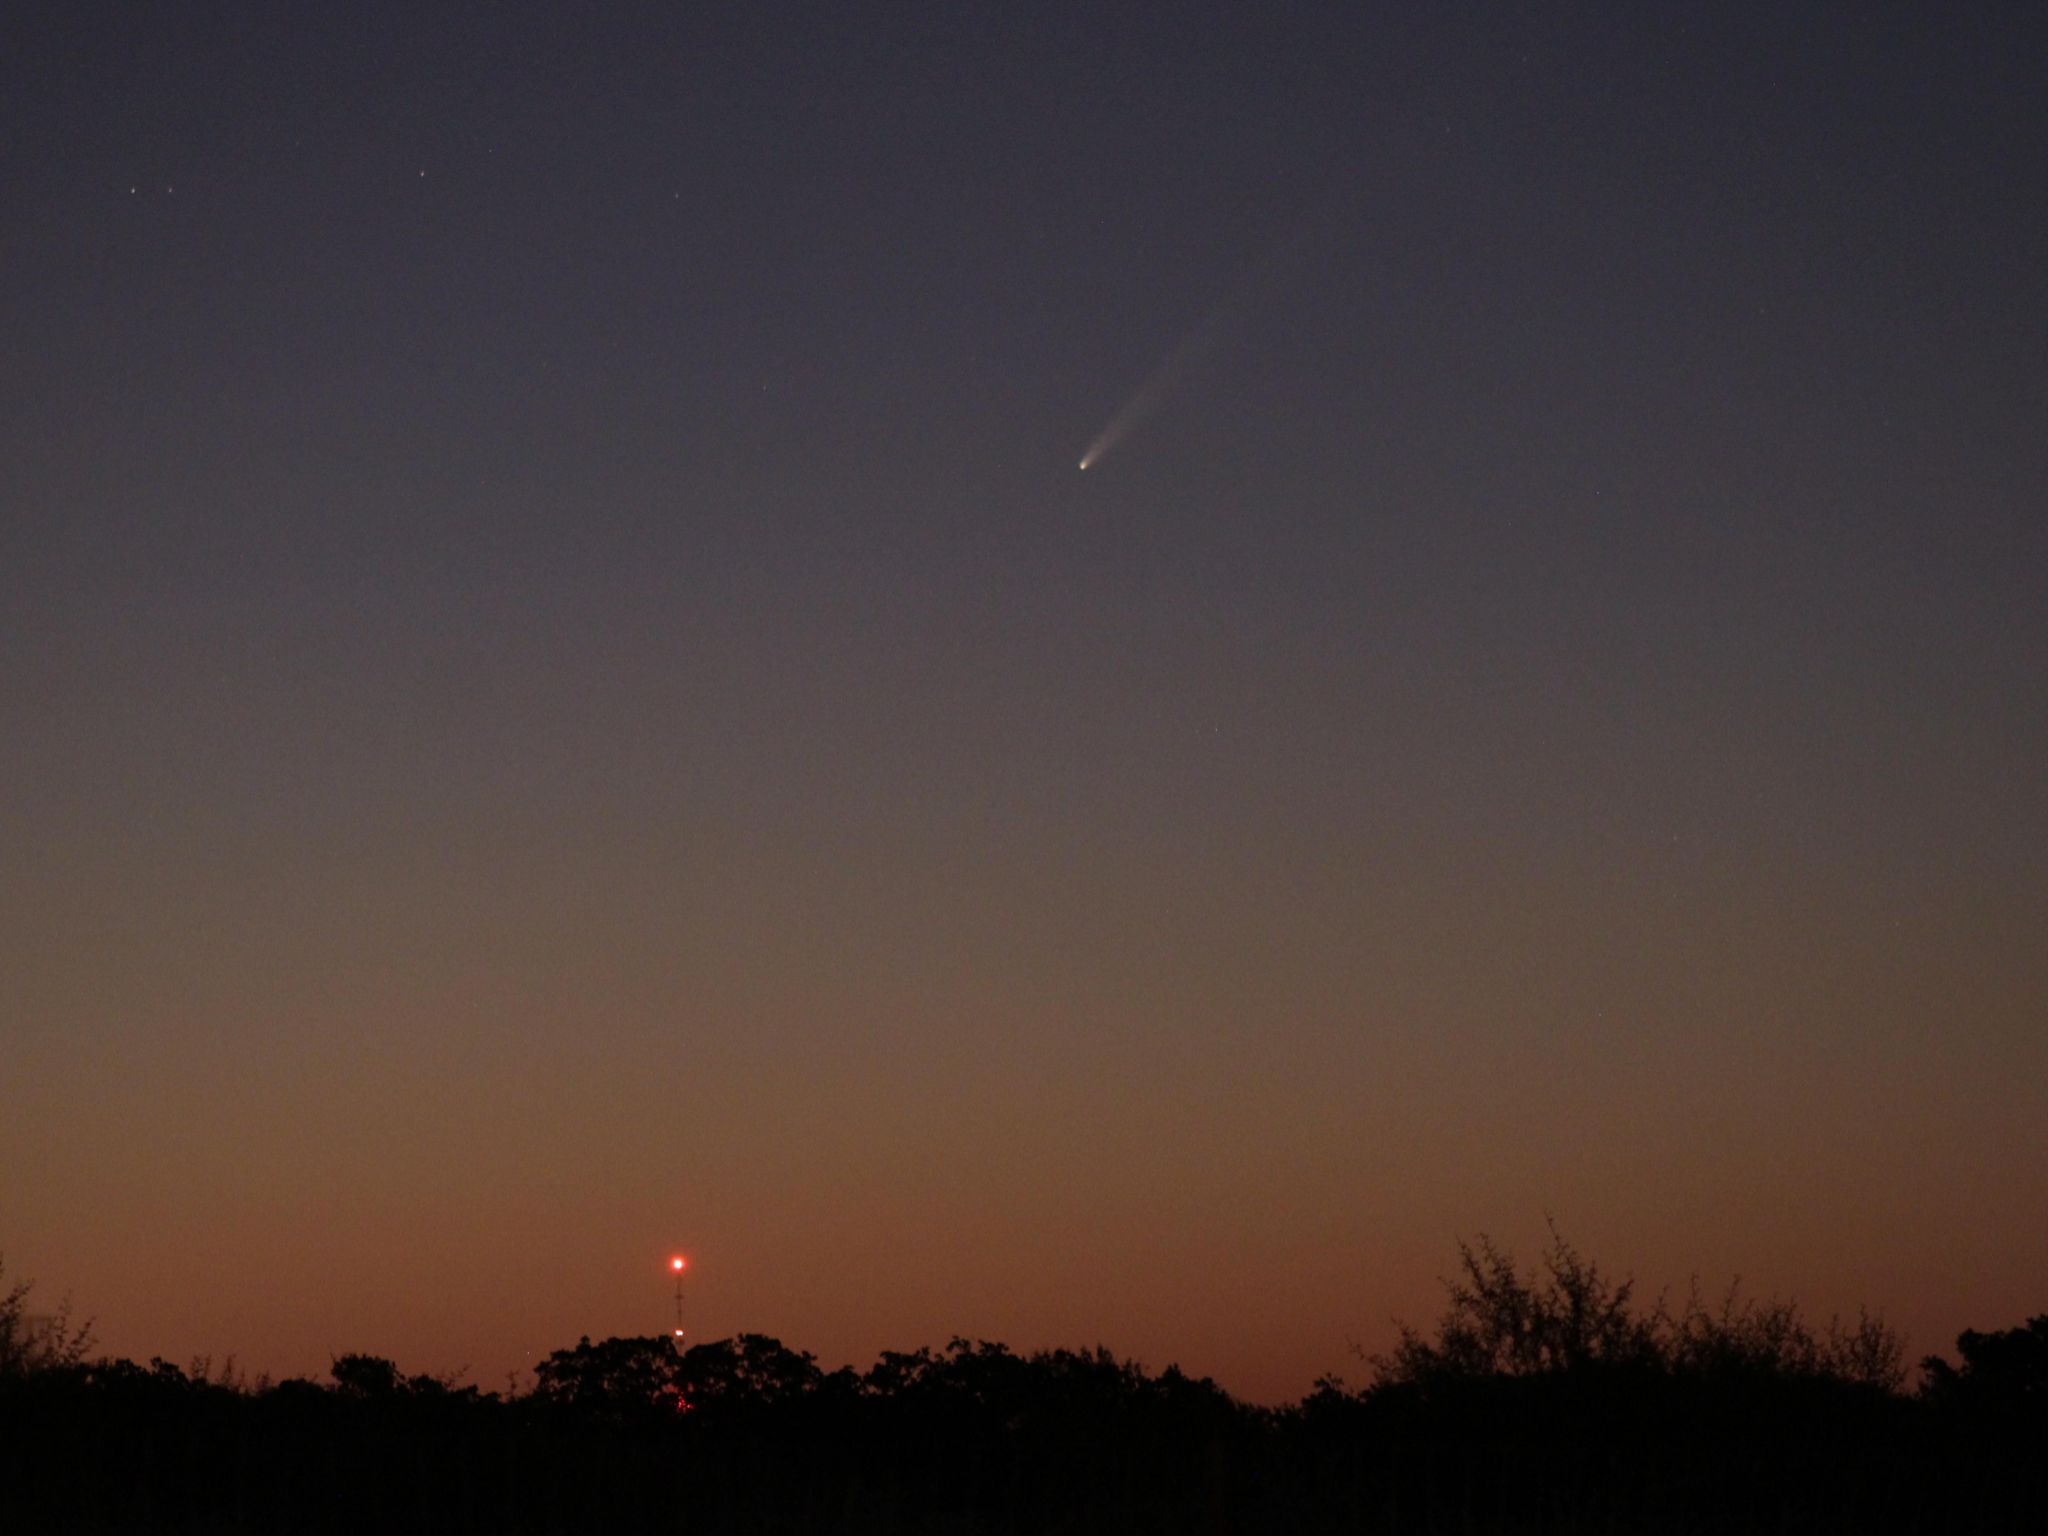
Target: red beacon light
(678, 1264)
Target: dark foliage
(1569, 1317)
(1544, 1402)
(2002, 1373)
(33, 1344)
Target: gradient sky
(562, 696)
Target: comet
(1277, 264)
(1158, 385)
(1259, 283)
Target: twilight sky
(562, 696)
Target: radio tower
(678, 1264)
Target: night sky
(563, 697)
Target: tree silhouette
(1566, 1315)
(2001, 1372)
(619, 1379)
(1501, 1322)
(37, 1344)
(1547, 1399)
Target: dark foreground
(1545, 1401)
(975, 1439)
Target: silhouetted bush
(34, 1344)
(1567, 1316)
(2005, 1373)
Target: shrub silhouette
(37, 1344)
(1566, 1315)
(2001, 1372)
(618, 1379)
(1501, 1322)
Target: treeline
(1548, 1400)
